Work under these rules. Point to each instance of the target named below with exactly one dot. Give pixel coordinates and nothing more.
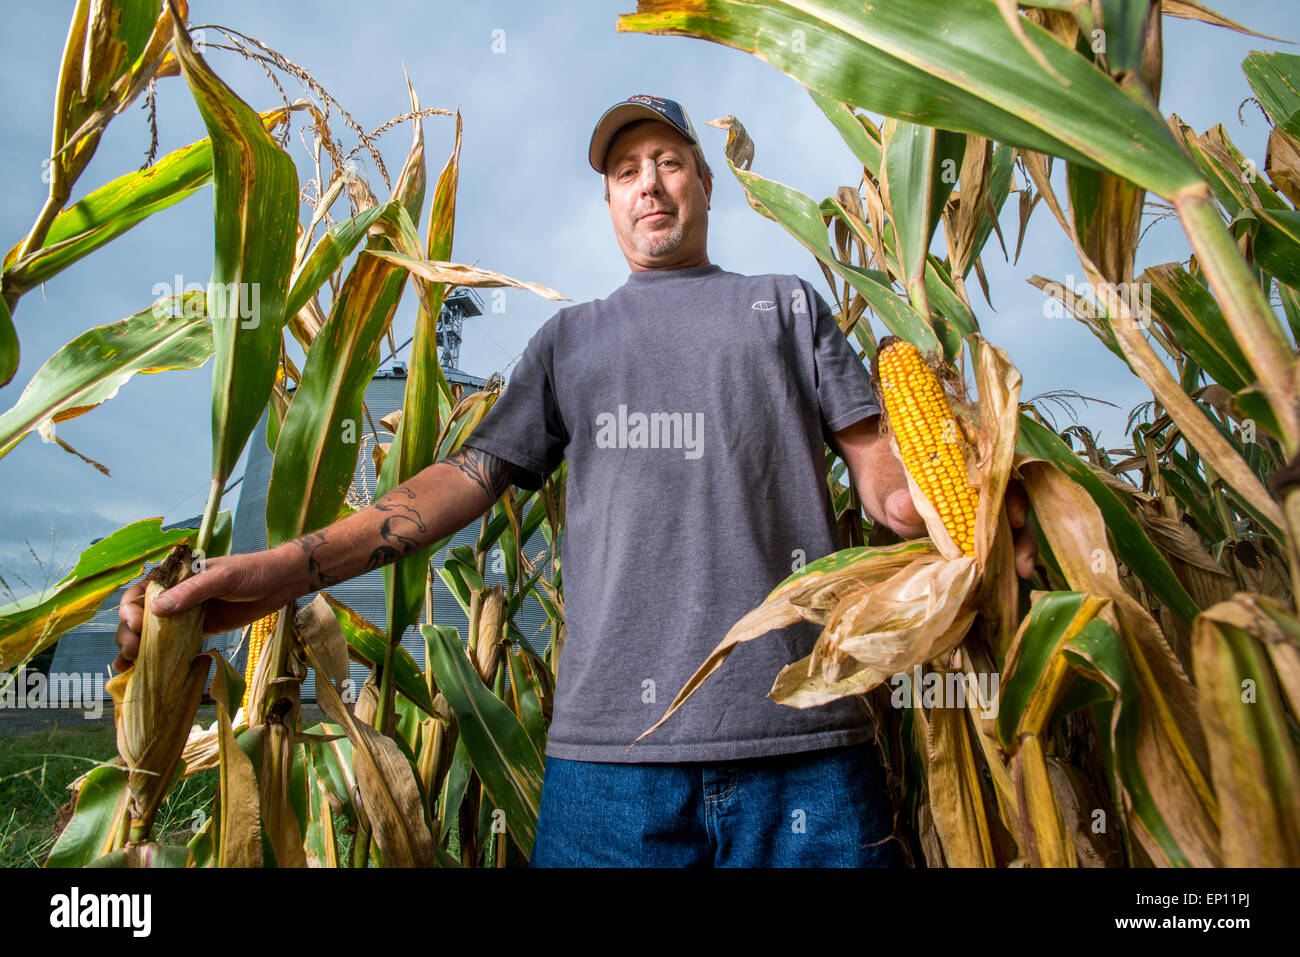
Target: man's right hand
(238, 589)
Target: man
(691, 405)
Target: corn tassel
(928, 437)
(258, 632)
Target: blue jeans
(825, 808)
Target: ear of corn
(491, 620)
(928, 437)
(258, 632)
(155, 700)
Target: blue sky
(530, 81)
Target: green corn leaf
(311, 474)
(427, 390)
(1277, 245)
(1131, 543)
(529, 681)
(456, 786)
(329, 253)
(505, 758)
(30, 625)
(1255, 763)
(96, 820)
(366, 645)
(1186, 307)
(8, 345)
(1035, 673)
(148, 855)
(802, 219)
(862, 137)
(91, 368)
(1123, 25)
(920, 171)
(956, 66)
(116, 207)
(1275, 78)
(1099, 655)
(255, 196)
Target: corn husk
(487, 653)
(156, 699)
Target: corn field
(1147, 677)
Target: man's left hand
(881, 482)
(1023, 537)
(901, 515)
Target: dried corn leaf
(956, 800)
(1047, 842)
(384, 778)
(1254, 762)
(1171, 746)
(240, 829)
(456, 274)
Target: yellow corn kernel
(928, 437)
(258, 632)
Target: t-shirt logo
(764, 305)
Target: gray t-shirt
(692, 406)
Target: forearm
(435, 503)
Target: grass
(35, 771)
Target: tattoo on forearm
(400, 530)
(403, 531)
(491, 474)
(316, 575)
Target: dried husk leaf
(1076, 800)
(999, 414)
(997, 598)
(801, 685)
(240, 843)
(810, 595)
(366, 707)
(203, 746)
(278, 816)
(1004, 788)
(917, 615)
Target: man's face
(657, 202)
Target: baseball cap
(643, 106)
